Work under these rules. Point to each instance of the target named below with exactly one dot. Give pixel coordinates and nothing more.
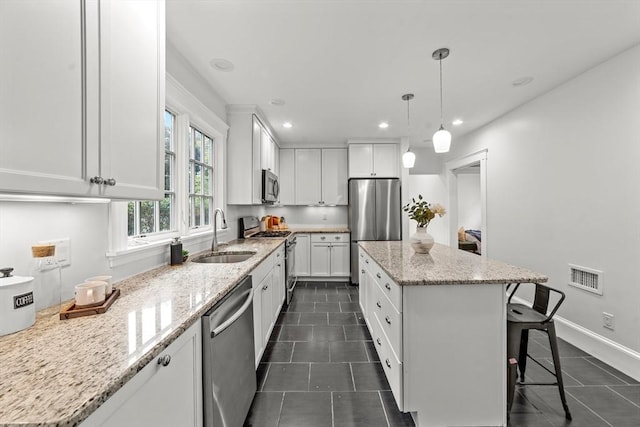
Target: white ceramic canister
(17, 310)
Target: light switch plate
(63, 251)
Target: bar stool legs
(553, 342)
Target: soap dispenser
(176, 251)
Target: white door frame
(452, 181)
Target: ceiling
(341, 66)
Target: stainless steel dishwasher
(228, 357)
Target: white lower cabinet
(330, 255)
(166, 392)
(303, 255)
(268, 295)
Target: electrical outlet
(63, 253)
(608, 321)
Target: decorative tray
(71, 311)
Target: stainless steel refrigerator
(374, 213)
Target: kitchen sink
(224, 257)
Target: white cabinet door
(41, 139)
(320, 259)
(334, 176)
(385, 161)
(276, 158)
(257, 323)
(308, 173)
(278, 284)
(160, 395)
(266, 150)
(287, 176)
(360, 160)
(302, 254)
(266, 289)
(85, 113)
(340, 261)
(132, 74)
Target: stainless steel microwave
(270, 187)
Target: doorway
(467, 182)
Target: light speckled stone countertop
(444, 266)
(311, 230)
(44, 380)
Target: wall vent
(585, 278)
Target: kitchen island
(438, 322)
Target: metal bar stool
(521, 318)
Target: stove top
(272, 233)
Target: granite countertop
(444, 266)
(44, 380)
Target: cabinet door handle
(388, 363)
(378, 341)
(265, 287)
(337, 237)
(386, 285)
(378, 304)
(110, 181)
(164, 360)
(362, 271)
(367, 261)
(378, 276)
(278, 265)
(322, 237)
(386, 319)
(97, 180)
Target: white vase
(421, 241)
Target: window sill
(145, 251)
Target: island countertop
(443, 266)
(44, 380)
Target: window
(201, 175)
(146, 217)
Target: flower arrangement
(422, 211)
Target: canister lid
(7, 280)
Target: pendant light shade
(442, 138)
(408, 158)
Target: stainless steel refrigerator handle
(235, 316)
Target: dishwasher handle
(224, 325)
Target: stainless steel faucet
(214, 244)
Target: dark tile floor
(320, 369)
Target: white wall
(23, 224)
(469, 207)
(434, 190)
(562, 187)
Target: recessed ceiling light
(222, 64)
(457, 122)
(287, 125)
(383, 125)
(277, 102)
(522, 81)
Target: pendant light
(442, 138)
(408, 158)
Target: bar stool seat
(520, 319)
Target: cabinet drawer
(330, 238)
(390, 319)
(260, 272)
(391, 365)
(388, 286)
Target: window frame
(188, 110)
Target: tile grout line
(604, 370)
(333, 416)
(623, 396)
(281, 406)
(589, 408)
(353, 380)
(384, 409)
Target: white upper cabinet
(308, 170)
(84, 89)
(287, 176)
(334, 176)
(250, 148)
(375, 160)
(320, 176)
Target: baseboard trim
(610, 352)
